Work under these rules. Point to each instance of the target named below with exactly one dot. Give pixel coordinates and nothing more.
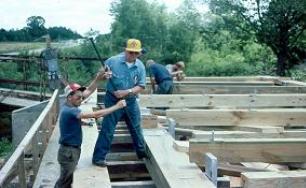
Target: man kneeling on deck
(70, 127)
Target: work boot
(100, 163)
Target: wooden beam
(271, 150)
(121, 156)
(149, 121)
(296, 179)
(234, 117)
(228, 169)
(268, 166)
(127, 170)
(134, 184)
(221, 83)
(223, 100)
(12, 101)
(122, 138)
(261, 129)
(217, 89)
(233, 78)
(243, 134)
(181, 146)
(168, 167)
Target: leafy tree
(280, 24)
(35, 29)
(62, 33)
(35, 26)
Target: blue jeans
(165, 87)
(131, 115)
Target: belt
(70, 146)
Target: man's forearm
(137, 89)
(99, 113)
(91, 88)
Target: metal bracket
(171, 127)
(211, 167)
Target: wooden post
(21, 171)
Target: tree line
(234, 37)
(35, 29)
(231, 38)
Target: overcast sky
(78, 15)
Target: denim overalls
(122, 78)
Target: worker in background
(128, 79)
(50, 63)
(70, 127)
(177, 70)
(160, 75)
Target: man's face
(76, 98)
(131, 56)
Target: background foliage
(233, 37)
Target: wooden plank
(273, 150)
(223, 100)
(217, 89)
(121, 156)
(127, 170)
(221, 83)
(12, 101)
(293, 82)
(168, 167)
(235, 117)
(269, 166)
(122, 138)
(244, 134)
(49, 168)
(133, 184)
(149, 121)
(232, 78)
(181, 146)
(296, 179)
(225, 168)
(261, 129)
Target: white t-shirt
(169, 67)
(129, 64)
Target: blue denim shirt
(124, 77)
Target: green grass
(6, 47)
(5, 147)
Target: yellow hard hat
(133, 45)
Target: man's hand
(121, 93)
(103, 75)
(121, 104)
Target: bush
(5, 147)
(211, 64)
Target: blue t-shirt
(70, 126)
(159, 72)
(124, 77)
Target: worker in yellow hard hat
(127, 80)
